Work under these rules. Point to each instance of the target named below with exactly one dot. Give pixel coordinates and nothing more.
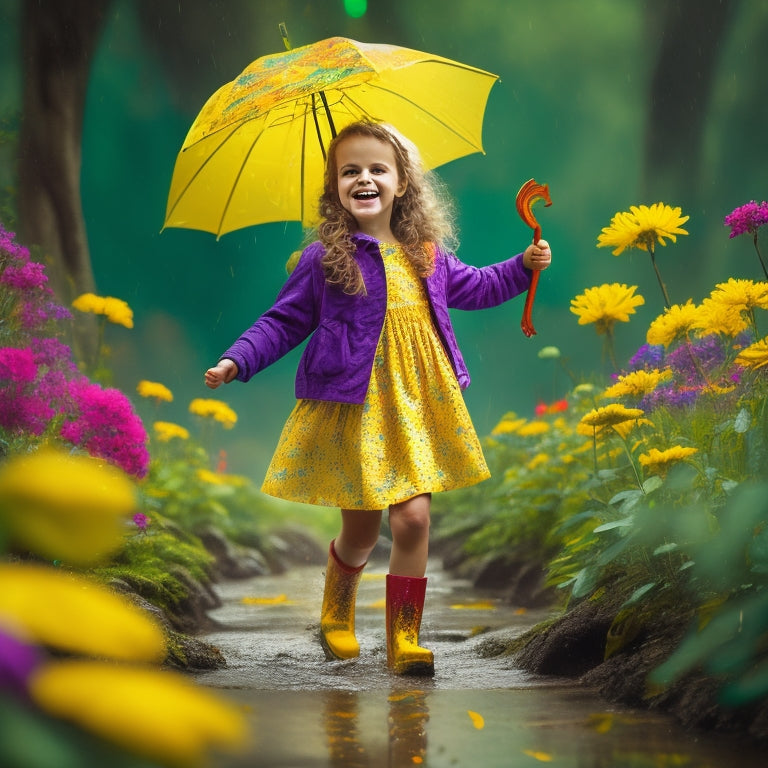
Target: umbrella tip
(284, 35)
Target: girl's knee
(410, 518)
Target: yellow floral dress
(412, 434)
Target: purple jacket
(337, 362)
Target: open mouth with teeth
(365, 195)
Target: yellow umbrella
(256, 151)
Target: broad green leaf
(664, 548)
(742, 421)
(639, 593)
(625, 522)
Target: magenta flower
(25, 276)
(17, 365)
(141, 520)
(105, 424)
(747, 218)
(17, 662)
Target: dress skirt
(412, 435)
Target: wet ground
(476, 711)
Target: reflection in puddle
(406, 723)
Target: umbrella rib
(414, 104)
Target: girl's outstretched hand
(222, 373)
(537, 255)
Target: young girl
(380, 421)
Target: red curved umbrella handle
(529, 193)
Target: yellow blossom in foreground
(637, 383)
(65, 506)
(606, 304)
(167, 431)
(755, 355)
(658, 462)
(641, 227)
(159, 715)
(673, 324)
(214, 409)
(625, 427)
(154, 389)
(610, 415)
(115, 310)
(74, 614)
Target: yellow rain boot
(337, 619)
(405, 605)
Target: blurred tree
(690, 34)
(58, 40)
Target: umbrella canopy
(256, 152)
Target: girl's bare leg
(409, 523)
(359, 533)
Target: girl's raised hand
(222, 373)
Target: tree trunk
(58, 40)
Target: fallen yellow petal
(277, 600)
(157, 714)
(602, 722)
(477, 720)
(478, 605)
(74, 614)
(543, 757)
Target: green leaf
(652, 483)
(585, 582)
(664, 548)
(633, 493)
(742, 422)
(639, 593)
(625, 522)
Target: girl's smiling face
(368, 183)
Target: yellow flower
(115, 310)
(610, 415)
(154, 389)
(719, 317)
(533, 428)
(167, 431)
(605, 304)
(625, 427)
(641, 227)
(755, 355)
(160, 715)
(741, 294)
(637, 383)
(508, 424)
(214, 409)
(73, 614)
(658, 462)
(675, 323)
(65, 506)
(538, 460)
(219, 478)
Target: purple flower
(688, 362)
(141, 520)
(747, 218)
(649, 356)
(17, 662)
(105, 424)
(25, 276)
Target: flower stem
(609, 347)
(762, 263)
(667, 303)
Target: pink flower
(17, 365)
(747, 218)
(105, 424)
(25, 276)
(141, 520)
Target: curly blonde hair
(421, 219)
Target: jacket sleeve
(288, 322)
(469, 287)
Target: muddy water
(478, 710)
